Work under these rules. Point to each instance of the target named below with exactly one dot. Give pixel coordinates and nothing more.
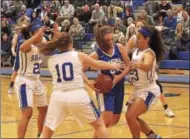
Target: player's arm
(147, 63)
(90, 84)
(14, 43)
(88, 61)
(26, 46)
(130, 45)
(126, 62)
(93, 55)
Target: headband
(145, 32)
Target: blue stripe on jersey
(116, 57)
(24, 102)
(96, 112)
(25, 56)
(149, 99)
(97, 98)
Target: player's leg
(106, 106)
(168, 111)
(118, 103)
(40, 100)
(26, 103)
(135, 109)
(14, 74)
(100, 130)
(56, 113)
(41, 118)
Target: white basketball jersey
(141, 78)
(66, 70)
(30, 63)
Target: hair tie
(145, 32)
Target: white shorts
(149, 95)
(76, 102)
(30, 92)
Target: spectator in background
(6, 28)
(185, 21)
(23, 19)
(170, 21)
(98, 16)
(127, 16)
(145, 17)
(36, 19)
(6, 5)
(5, 49)
(113, 11)
(77, 32)
(67, 10)
(159, 21)
(118, 36)
(85, 14)
(182, 38)
(131, 32)
(165, 6)
(17, 6)
(151, 7)
(65, 26)
(119, 25)
(55, 6)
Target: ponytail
(155, 41)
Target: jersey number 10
(67, 71)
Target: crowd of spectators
(78, 17)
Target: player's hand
(92, 86)
(134, 65)
(116, 79)
(14, 53)
(118, 66)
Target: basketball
(104, 83)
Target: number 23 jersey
(141, 78)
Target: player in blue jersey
(110, 103)
(16, 42)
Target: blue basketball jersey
(116, 57)
(112, 100)
(16, 62)
(19, 42)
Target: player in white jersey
(149, 52)
(69, 94)
(29, 88)
(130, 47)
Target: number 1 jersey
(66, 70)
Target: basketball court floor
(177, 127)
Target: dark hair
(25, 31)
(155, 42)
(61, 43)
(100, 31)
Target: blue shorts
(16, 63)
(113, 100)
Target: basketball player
(131, 45)
(69, 94)
(149, 52)
(16, 42)
(28, 87)
(110, 103)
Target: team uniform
(69, 94)
(145, 84)
(28, 87)
(113, 100)
(16, 61)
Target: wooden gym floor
(177, 127)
